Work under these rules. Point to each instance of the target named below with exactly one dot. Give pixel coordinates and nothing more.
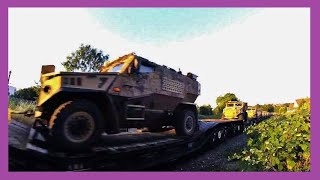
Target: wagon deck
(119, 152)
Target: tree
(221, 102)
(267, 107)
(30, 93)
(85, 59)
(205, 110)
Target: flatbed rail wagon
(119, 152)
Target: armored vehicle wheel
(75, 125)
(186, 123)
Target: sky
(261, 55)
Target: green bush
(30, 93)
(283, 110)
(281, 143)
(205, 110)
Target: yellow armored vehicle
(252, 112)
(235, 110)
(130, 92)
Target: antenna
(9, 77)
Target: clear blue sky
(162, 25)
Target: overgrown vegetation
(28, 120)
(21, 110)
(30, 93)
(266, 107)
(20, 105)
(205, 110)
(281, 143)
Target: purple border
(315, 88)
(158, 3)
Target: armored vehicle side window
(117, 68)
(146, 69)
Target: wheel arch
(103, 102)
(186, 105)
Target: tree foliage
(221, 102)
(266, 107)
(30, 93)
(281, 143)
(281, 108)
(205, 109)
(85, 59)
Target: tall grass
(20, 105)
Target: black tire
(186, 123)
(75, 125)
